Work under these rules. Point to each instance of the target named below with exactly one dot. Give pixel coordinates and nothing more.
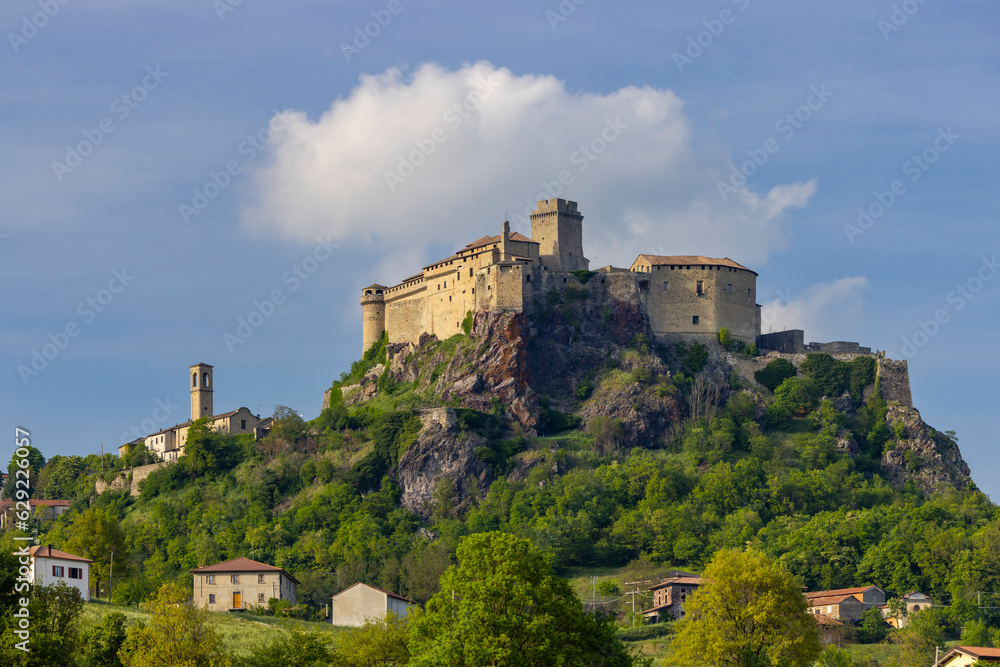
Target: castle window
(446, 283)
(643, 285)
(564, 280)
(527, 279)
(729, 288)
(748, 291)
(470, 271)
(204, 380)
(666, 286)
(699, 288)
(694, 319)
(449, 298)
(602, 281)
(243, 424)
(473, 290)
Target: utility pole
(593, 597)
(111, 574)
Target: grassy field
(240, 632)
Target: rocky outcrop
(919, 453)
(645, 417)
(441, 451)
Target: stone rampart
(894, 381)
(129, 479)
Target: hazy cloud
(824, 311)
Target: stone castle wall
(894, 381)
(128, 478)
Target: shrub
(725, 338)
(776, 372)
(607, 433)
(576, 292)
(467, 323)
(583, 275)
(584, 390)
(696, 357)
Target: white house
(360, 603)
(50, 566)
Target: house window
(75, 573)
(694, 319)
(211, 598)
(211, 579)
(729, 288)
(700, 287)
(260, 598)
(243, 424)
(57, 571)
(235, 579)
(260, 578)
(666, 286)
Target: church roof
(188, 423)
(660, 260)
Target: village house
(669, 597)
(50, 566)
(39, 510)
(912, 603)
(845, 603)
(357, 604)
(241, 583)
(965, 656)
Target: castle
(687, 296)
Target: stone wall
(129, 479)
(894, 381)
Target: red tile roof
(974, 651)
(832, 599)
(49, 552)
(240, 565)
(4, 504)
(660, 260)
(838, 591)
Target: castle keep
(681, 295)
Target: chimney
(50, 550)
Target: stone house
(838, 607)
(50, 566)
(240, 584)
(359, 603)
(669, 597)
(913, 602)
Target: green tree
(287, 424)
(178, 634)
(748, 612)
(298, 648)
(776, 372)
(102, 642)
(725, 338)
(207, 451)
(873, 628)
(96, 534)
(54, 613)
(501, 605)
(379, 642)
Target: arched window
(204, 380)
(194, 379)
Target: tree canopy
(748, 612)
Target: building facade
(50, 566)
(682, 295)
(168, 444)
(669, 597)
(240, 584)
(360, 603)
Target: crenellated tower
(557, 226)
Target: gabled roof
(488, 240)
(831, 599)
(660, 260)
(992, 654)
(677, 581)
(4, 504)
(375, 588)
(49, 552)
(823, 619)
(240, 565)
(857, 590)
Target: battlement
(547, 206)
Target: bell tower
(201, 391)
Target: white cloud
(824, 311)
(492, 144)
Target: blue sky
(760, 142)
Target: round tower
(202, 386)
(372, 315)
